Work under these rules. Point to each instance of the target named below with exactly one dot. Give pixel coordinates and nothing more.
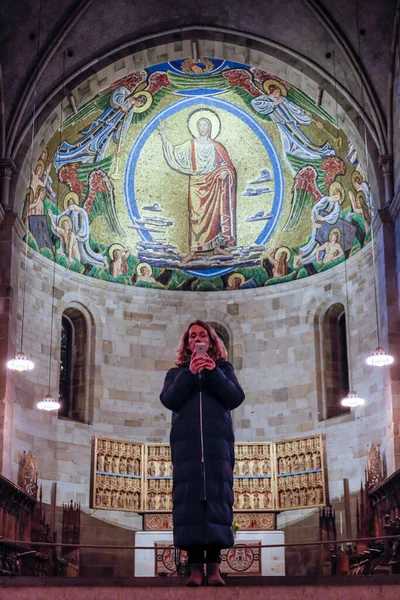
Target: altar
(245, 558)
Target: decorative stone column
(7, 168)
(385, 225)
(11, 233)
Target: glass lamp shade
(352, 400)
(379, 358)
(20, 363)
(48, 403)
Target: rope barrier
(258, 546)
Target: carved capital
(7, 167)
(386, 163)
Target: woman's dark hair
(216, 351)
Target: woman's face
(197, 333)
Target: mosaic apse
(198, 175)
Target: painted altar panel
(198, 175)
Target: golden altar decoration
(269, 477)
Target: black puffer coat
(202, 448)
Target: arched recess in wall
(332, 368)
(224, 335)
(76, 374)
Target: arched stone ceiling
(197, 173)
(32, 32)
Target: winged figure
(307, 187)
(319, 189)
(99, 199)
(127, 101)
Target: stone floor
(255, 588)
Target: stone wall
(133, 336)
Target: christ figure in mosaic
(212, 190)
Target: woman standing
(201, 391)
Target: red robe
(212, 204)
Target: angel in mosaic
(289, 118)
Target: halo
(144, 264)
(40, 162)
(360, 198)
(279, 251)
(356, 174)
(63, 219)
(46, 152)
(278, 84)
(112, 248)
(71, 196)
(236, 276)
(146, 105)
(205, 113)
(335, 186)
(29, 191)
(337, 231)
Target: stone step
(237, 588)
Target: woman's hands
(198, 363)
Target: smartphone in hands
(201, 349)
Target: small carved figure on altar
(256, 501)
(302, 462)
(303, 496)
(100, 462)
(98, 496)
(320, 496)
(136, 501)
(114, 498)
(289, 499)
(122, 464)
(151, 471)
(281, 465)
(246, 501)
(122, 499)
(255, 467)
(129, 500)
(282, 499)
(317, 461)
(129, 449)
(246, 470)
(296, 498)
(107, 463)
(162, 468)
(152, 502)
(288, 465)
(105, 497)
(312, 496)
(308, 462)
(136, 467)
(115, 464)
(129, 466)
(266, 500)
(295, 464)
(162, 502)
(266, 467)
